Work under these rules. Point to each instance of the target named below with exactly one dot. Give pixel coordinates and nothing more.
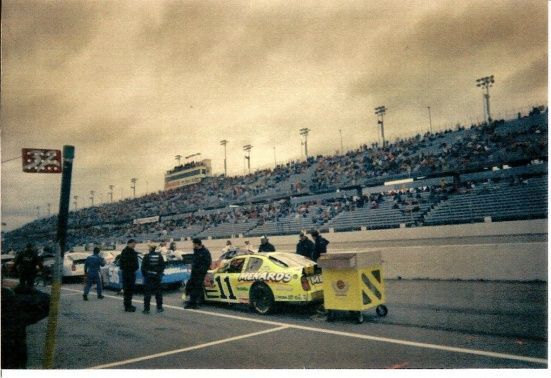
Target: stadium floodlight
(485, 83)
(76, 202)
(92, 197)
(224, 142)
(49, 208)
(342, 149)
(38, 211)
(304, 133)
(380, 113)
(111, 187)
(247, 148)
(193, 155)
(133, 187)
(178, 158)
(430, 120)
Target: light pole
(275, 160)
(75, 202)
(485, 83)
(304, 133)
(111, 187)
(178, 158)
(38, 211)
(342, 149)
(224, 142)
(146, 187)
(49, 208)
(247, 148)
(92, 197)
(380, 112)
(430, 120)
(133, 187)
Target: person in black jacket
(305, 246)
(129, 265)
(21, 307)
(153, 267)
(26, 264)
(320, 245)
(200, 265)
(265, 245)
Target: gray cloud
(133, 83)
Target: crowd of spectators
(446, 151)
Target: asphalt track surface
(430, 324)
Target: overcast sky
(131, 84)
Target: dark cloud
(133, 83)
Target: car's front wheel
(262, 298)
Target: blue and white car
(176, 274)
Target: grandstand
(492, 171)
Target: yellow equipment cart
(353, 282)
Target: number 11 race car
(264, 279)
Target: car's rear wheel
(262, 298)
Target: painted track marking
(182, 350)
(361, 336)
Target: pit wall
(436, 252)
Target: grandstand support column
(485, 83)
(224, 142)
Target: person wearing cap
(305, 246)
(265, 245)
(200, 264)
(153, 267)
(129, 266)
(92, 267)
(320, 244)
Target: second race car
(176, 274)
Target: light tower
(111, 187)
(224, 142)
(75, 202)
(430, 120)
(380, 112)
(485, 83)
(178, 158)
(49, 208)
(133, 187)
(342, 149)
(247, 148)
(38, 211)
(92, 196)
(304, 133)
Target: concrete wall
(491, 251)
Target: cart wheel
(330, 316)
(360, 317)
(381, 310)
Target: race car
(263, 280)
(176, 274)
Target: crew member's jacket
(26, 261)
(92, 264)
(129, 259)
(201, 260)
(320, 246)
(153, 264)
(306, 248)
(266, 247)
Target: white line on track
(362, 336)
(170, 352)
